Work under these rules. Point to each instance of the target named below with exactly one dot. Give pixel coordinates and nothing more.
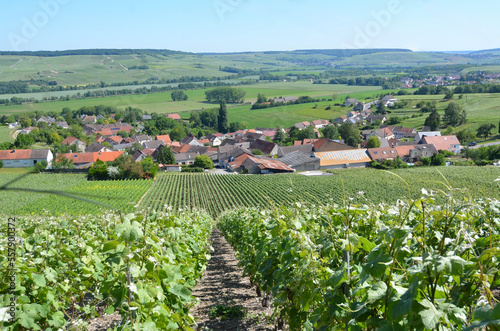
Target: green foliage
(485, 130)
(433, 120)
(203, 161)
(438, 159)
(280, 136)
(404, 267)
(165, 155)
(256, 152)
(222, 125)
(227, 94)
(179, 95)
(454, 114)
(1, 164)
(373, 142)
(39, 166)
(350, 133)
(133, 265)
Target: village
(249, 151)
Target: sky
(250, 25)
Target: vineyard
(217, 193)
(415, 265)
(69, 271)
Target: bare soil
(223, 284)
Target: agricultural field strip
(217, 193)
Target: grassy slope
(5, 134)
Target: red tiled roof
(78, 158)
(68, 141)
(174, 116)
(444, 143)
(165, 138)
(404, 150)
(116, 138)
(15, 154)
(270, 164)
(383, 153)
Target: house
(84, 160)
(97, 147)
(300, 161)
(373, 118)
(302, 125)
(305, 142)
(142, 154)
(171, 167)
(174, 116)
(389, 100)
(165, 138)
(72, 141)
(256, 165)
(384, 133)
(123, 146)
(341, 119)
(251, 136)
(352, 114)
(153, 144)
(285, 99)
(401, 132)
(404, 152)
(215, 142)
(27, 130)
(266, 147)
(24, 158)
(89, 119)
(113, 140)
(327, 145)
(284, 150)
(183, 148)
(147, 117)
(320, 124)
(62, 124)
(142, 138)
(443, 143)
(350, 102)
(45, 119)
(421, 135)
(13, 125)
(361, 106)
(355, 158)
(185, 158)
(382, 153)
(420, 151)
(227, 154)
(191, 140)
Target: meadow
(5, 134)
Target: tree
(381, 108)
(62, 163)
(373, 142)
(433, 120)
(203, 161)
(227, 94)
(350, 133)
(256, 151)
(178, 133)
(452, 114)
(279, 136)
(448, 95)
(438, 159)
(165, 155)
(261, 98)
(485, 130)
(178, 95)
(235, 126)
(1, 164)
(307, 133)
(467, 135)
(331, 132)
(222, 118)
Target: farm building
(356, 158)
(300, 161)
(84, 160)
(24, 158)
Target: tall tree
(331, 132)
(433, 120)
(350, 133)
(165, 155)
(452, 114)
(280, 135)
(373, 142)
(222, 119)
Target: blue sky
(250, 25)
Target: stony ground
(224, 284)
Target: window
(384, 152)
(375, 152)
(392, 152)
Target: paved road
(488, 144)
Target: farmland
(217, 193)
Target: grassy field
(481, 108)
(5, 134)
(162, 102)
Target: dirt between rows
(223, 284)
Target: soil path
(223, 284)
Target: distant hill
(94, 52)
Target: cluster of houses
(249, 151)
(362, 113)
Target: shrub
(39, 166)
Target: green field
(216, 193)
(481, 108)
(5, 134)
(162, 102)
